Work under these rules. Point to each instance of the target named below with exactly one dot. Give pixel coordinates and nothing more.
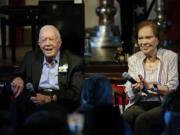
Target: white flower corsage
(63, 68)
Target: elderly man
(55, 75)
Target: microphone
(126, 76)
(30, 88)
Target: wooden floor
(6, 65)
(20, 51)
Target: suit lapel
(37, 70)
(62, 76)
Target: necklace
(151, 64)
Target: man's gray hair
(50, 27)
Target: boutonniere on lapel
(63, 68)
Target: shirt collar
(56, 60)
(159, 54)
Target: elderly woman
(156, 71)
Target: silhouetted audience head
(104, 120)
(97, 90)
(171, 111)
(172, 120)
(171, 102)
(46, 123)
(6, 127)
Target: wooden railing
(112, 71)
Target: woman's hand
(140, 83)
(17, 86)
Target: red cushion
(121, 88)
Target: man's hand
(17, 86)
(40, 99)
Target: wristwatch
(155, 87)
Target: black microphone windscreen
(29, 86)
